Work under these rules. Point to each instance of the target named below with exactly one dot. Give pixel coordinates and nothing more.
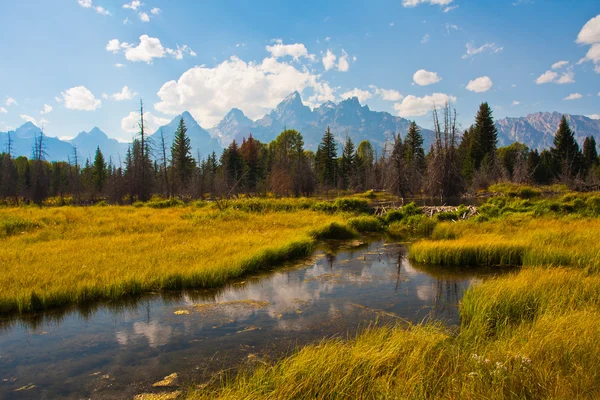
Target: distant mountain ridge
(346, 118)
(537, 130)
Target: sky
(70, 65)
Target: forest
(457, 163)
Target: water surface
(119, 349)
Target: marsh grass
(76, 255)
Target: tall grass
(80, 254)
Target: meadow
(58, 256)
(531, 334)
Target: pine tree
(397, 168)
(326, 160)
(99, 173)
(567, 158)
(182, 162)
(590, 152)
(485, 138)
(414, 157)
(347, 164)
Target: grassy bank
(71, 255)
(533, 334)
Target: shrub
(366, 224)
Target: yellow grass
(70, 255)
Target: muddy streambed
(117, 350)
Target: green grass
(71, 255)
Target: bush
(366, 224)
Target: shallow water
(118, 350)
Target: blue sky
(71, 65)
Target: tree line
(457, 162)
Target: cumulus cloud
(554, 77)
(134, 5)
(516, 103)
(148, 49)
(387, 94)
(47, 109)
(362, 95)
(560, 64)
(28, 118)
(485, 48)
(209, 93)
(124, 94)
(144, 17)
(155, 11)
(414, 3)
(593, 54)
(10, 102)
(119, 65)
(85, 3)
(80, 98)
(295, 50)
(424, 78)
(130, 122)
(3, 110)
(594, 116)
(343, 65)
(329, 60)
(590, 33)
(573, 96)
(480, 85)
(102, 10)
(450, 8)
(413, 106)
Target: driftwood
(430, 211)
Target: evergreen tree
(326, 160)
(182, 162)
(347, 164)
(252, 153)
(567, 158)
(99, 173)
(590, 152)
(397, 168)
(365, 157)
(414, 157)
(485, 138)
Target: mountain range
(346, 118)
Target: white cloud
(151, 122)
(516, 103)
(47, 109)
(119, 65)
(148, 49)
(485, 48)
(144, 17)
(597, 69)
(134, 5)
(546, 77)
(594, 116)
(413, 106)
(450, 8)
(102, 10)
(327, 39)
(567, 77)
(387, 94)
(329, 60)
(127, 21)
(295, 50)
(85, 3)
(559, 64)
(362, 95)
(480, 85)
(451, 27)
(554, 77)
(181, 50)
(414, 3)
(155, 11)
(573, 96)
(343, 62)
(593, 54)
(80, 98)
(424, 78)
(209, 93)
(3, 110)
(10, 102)
(425, 39)
(58, 99)
(124, 94)
(28, 118)
(590, 33)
